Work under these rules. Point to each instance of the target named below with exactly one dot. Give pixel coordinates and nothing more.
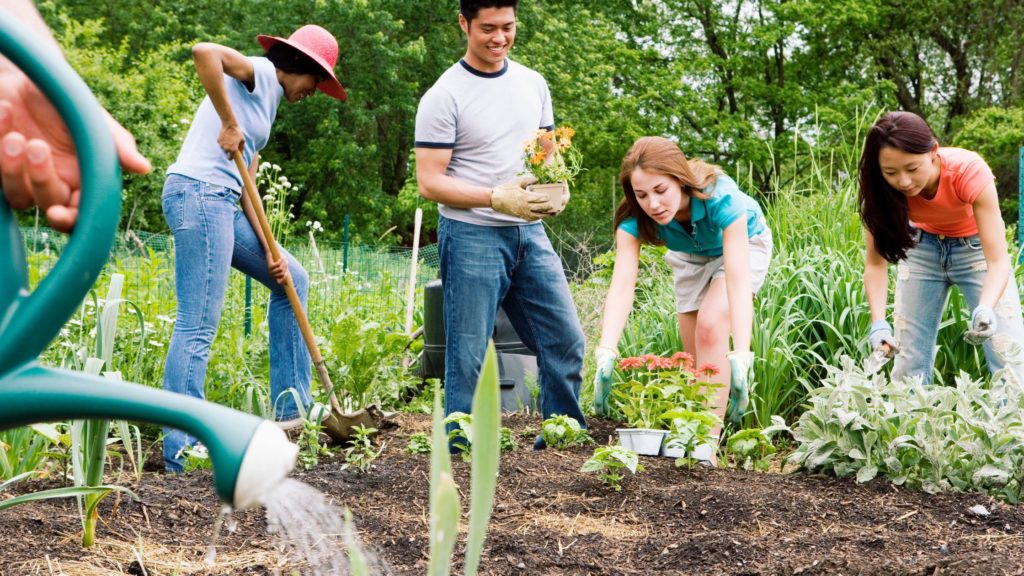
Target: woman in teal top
(719, 248)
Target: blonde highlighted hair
(660, 155)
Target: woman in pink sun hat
(214, 226)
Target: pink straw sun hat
(318, 44)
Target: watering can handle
(30, 320)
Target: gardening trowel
(337, 424)
(879, 357)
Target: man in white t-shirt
(470, 129)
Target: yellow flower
(537, 158)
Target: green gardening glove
(605, 360)
(741, 373)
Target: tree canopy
(746, 84)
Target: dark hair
(470, 8)
(288, 59)
(661, 156)
(883, 209)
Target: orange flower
(708, 370)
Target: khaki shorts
(693, 274)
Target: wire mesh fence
(371, 281)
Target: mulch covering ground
(549, 519)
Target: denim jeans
(923, 281)
(211, 236)
(483, 267)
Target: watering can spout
(250, 455)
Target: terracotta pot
(555, 191)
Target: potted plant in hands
(552, 159)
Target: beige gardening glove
(512, 198)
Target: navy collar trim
(476, 72)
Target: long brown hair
(660, 156)
(883, 209)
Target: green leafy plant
(751, 449)
(463, 432)
(196, 457)
(653, 386)
(611, 462)
(310, 446)
(445, 509)
(935, 438)
(551, 156)
(689, 429)
(561, 431)
(360, 452)
(419, 443)
(507, 440)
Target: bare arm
(736, 254)
(992, 233)
(619, 302)
(876, 279)
(212, 62)
(436, 186)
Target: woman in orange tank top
(933, 211)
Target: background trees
(743, 83)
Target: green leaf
(485, 456)
(66, 492)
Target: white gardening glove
(983, 325)
(879, 335)
(604, 359)
(512, 198)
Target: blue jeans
(211, 236)
(923, 281)
(483, 267)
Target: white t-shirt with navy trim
(484, 119)
(201, 158)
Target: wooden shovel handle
(289, 288)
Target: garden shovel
(337, 424)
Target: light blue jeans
(211, 236)
(923, 281)
(483, 267)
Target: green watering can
(250, 455)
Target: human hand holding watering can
(38, 161)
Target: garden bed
(549, 519)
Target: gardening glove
(512, 198)
(604, 358)
(880, 334)
(983, 325)
(741, 372)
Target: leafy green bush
(751, 449)
(611, 462)
(561, 431)
(935, 438)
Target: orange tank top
(963, 176)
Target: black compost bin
(515, 360)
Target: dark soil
(549, 519)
